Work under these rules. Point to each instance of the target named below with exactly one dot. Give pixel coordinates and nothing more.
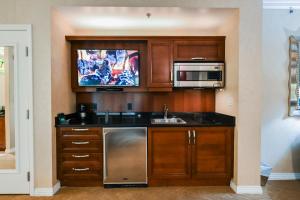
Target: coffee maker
(85, 112)
(82, 112)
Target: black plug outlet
(129, 106)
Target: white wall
(38, 13)
(280, 133)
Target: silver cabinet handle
(80, 169)
(80, 129)
(199, 58)
(189, 134)
(87, 142)
(194, 135)
(81, 156)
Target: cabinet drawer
(82, 180)
(82, 157)
(81, 169)
(70, 146)
(78, 167)
(88, 173)
(81, 133)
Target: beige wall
(38, 13)
(227, 100)
(280, 133)
(159, 32)
(63, 99)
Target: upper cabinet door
(160, 64)
(211, 49)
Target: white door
(15, 109)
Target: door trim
(28, 29)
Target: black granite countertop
(143, 119)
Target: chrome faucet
(106, 117)
(166, 111)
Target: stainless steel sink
(168, 121)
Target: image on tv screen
(108, 67)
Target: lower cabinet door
(168, 153)
(212, 154)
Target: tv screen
(110, 68)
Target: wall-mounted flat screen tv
(108, 67)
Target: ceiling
(130, 18)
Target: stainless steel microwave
(199, 74)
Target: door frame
(28, 29)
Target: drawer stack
(80, 156)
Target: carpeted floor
(275, 190)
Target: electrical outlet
(94, 107)
(129, 106)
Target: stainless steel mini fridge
(125, 157)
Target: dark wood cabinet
(212, 153)
(190, 156)
(80, 156)
(168, 153)
(157, 54)
(160, 64)
(2, 133)
(201, 49)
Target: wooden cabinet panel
(211, 49)
(79, 156)
(82, 146)
(168, 153)
(82, 156)
(159, 64)
(2, 133)
(174, 158)
(109, 43)
(212, 153)
(81, 133)
(156, 56)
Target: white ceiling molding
(279, 4)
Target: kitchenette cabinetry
(160, 65)
(157, 56)
(79, 156)
(168, 153)
(212, 153)
(201, 49)
(190, 156)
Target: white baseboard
(244, 189)
(47, 191)
(12, 150)
(284, 176)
